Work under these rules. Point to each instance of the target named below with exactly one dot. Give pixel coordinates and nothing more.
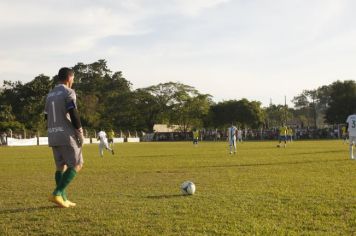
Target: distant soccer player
(239, 135)
(283, 136)
(290, 134)
(111, 136)
(195, 137)
(103, 143)
(65, 135)
(351, 124)
(232, 132)
(344, 133)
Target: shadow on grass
(281, 163)
(166, 196)
(25, 210)
(320, 152)
(271, 164)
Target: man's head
(66, 76)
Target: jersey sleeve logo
(71, 105)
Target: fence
(30, 138)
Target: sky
(255, 49)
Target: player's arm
(72, 110)
(46, 110)
(45, 113)
(46, 118)
(347, 123)
(74, 116)
(75, 119)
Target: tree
(6, 113)
(179, 104)
(106, 100)
(190, 111)
(311, 105)
(342, 101)
(330, 103)
(8, 120)
(276, 115)
(242, 112)
(27, 100)
(147, 111)
(102, 96)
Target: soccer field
(308, 188)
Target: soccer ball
(188, 188)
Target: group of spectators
(248, 134)
(3, 138)
(172, 136)
(273, 134)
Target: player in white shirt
(103, 143)
(351, 124)
(232, 133)
(239, 135)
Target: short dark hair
(64, 73)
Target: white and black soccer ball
(188, 188)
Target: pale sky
(256, 49)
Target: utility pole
(285, 110)
(315, 113)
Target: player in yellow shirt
(290, 134)
(195, 137)
(111, 135)
(344, 133)
(283, 136)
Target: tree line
(106, 100)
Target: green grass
(308, 188)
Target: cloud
(265, 47)
(60, 27)
(194, 8)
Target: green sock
(67, 177)
(58, 177)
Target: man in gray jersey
(65, 135)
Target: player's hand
(80, 136)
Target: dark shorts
(282, 138)
(110, 140)
(68, 155)
(195, 141)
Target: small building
(163, 128)
(163, 132)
